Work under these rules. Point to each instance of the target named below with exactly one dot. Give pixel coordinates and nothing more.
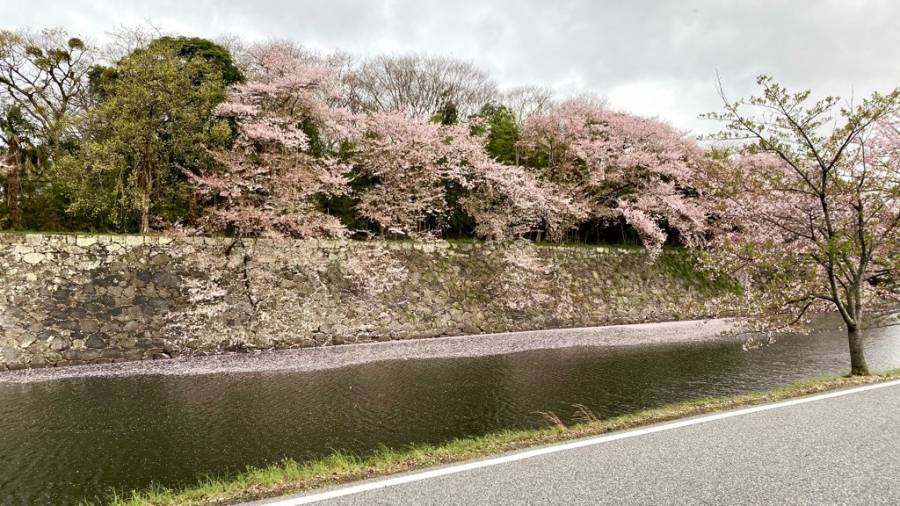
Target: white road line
(546, 450)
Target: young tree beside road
(810, 211)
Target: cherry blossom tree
(810, 211)
(413, 162)
(425, 171)
(287, 153)
(509, 202)
(618, 165)
(297, 146)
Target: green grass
(290, 476)
(465, 240)
(589, 245)
(86, 233)
(684, 264)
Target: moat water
(67, 440)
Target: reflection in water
(70, 439)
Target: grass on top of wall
(290, 476)
(685, 264)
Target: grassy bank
(289, 476)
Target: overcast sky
(651, 57)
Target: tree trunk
(858, 366)
(12, 193)
(145, 212)
(13, 167)
(145, 188)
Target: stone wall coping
(86, 240)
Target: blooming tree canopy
(414, 163)
(424, 171)
(287, 150)
(618, 164)
(509, 202)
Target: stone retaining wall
(68, 300)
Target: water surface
(79, 438)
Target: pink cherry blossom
(269, 181)
(617, 164)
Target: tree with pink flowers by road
(809, 211)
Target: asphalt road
(840, 450)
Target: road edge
(414, 476)
(280, 480)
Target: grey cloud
(649, 51)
